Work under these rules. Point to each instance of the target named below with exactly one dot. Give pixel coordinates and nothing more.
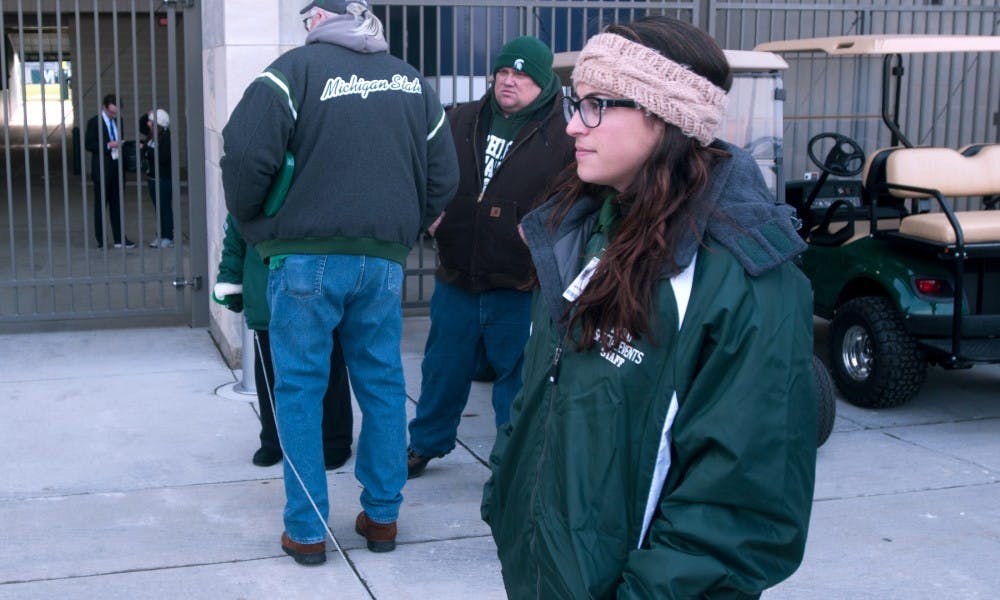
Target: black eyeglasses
(305, 22)
(591, 108)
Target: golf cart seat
(913, 173)
(989, 202)
(875, 177)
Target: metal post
(248, 384)
(194, 116)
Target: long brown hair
(657, 205)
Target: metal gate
(59, 58)
(452, 43)
(57, 62)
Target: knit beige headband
(665, 88)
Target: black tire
(826, 403)
(875, 362)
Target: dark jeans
(165, 204)
(466, 328)
(111, 199)
(338, 420)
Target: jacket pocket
(279, 187)
(455, 233)
(595, 476)
(591, 421)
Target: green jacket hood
(749, 223)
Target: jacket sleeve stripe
(277, 83)
(437, 127)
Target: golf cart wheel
(875, 362)
(826, 404)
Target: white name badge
(580, 283)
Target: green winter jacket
(681, 469)
(374, 158)
(240, 263)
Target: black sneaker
(334, 458)
(128, 244)
(265, 457)
(415, 463)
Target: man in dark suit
(103, 141)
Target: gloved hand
(229, 295)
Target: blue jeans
(310, 296)
(460, 320)
(164, 205)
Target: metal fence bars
(55, 67)
(60, 57)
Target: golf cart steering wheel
(845, 159)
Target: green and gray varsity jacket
(374, 158)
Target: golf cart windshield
(889, 90)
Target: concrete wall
(239, 38)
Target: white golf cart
(905, 260)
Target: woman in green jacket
(242, 266)
(663, 445)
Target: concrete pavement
(128, 475)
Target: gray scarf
(361, 33)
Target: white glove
(222, 289)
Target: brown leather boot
(415, 463)
(304, 554)
(381, 536)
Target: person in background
(374, 167)
(156, 165)
(664, 442)
(241, 265)
(511, 145)
(103, 140)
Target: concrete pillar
(240, 38)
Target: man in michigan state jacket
(511, 143)
(374, 165)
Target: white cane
(291, 465)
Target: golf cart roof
(740, 61)
(876, 45)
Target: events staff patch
(359, 85)
(624, 352)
